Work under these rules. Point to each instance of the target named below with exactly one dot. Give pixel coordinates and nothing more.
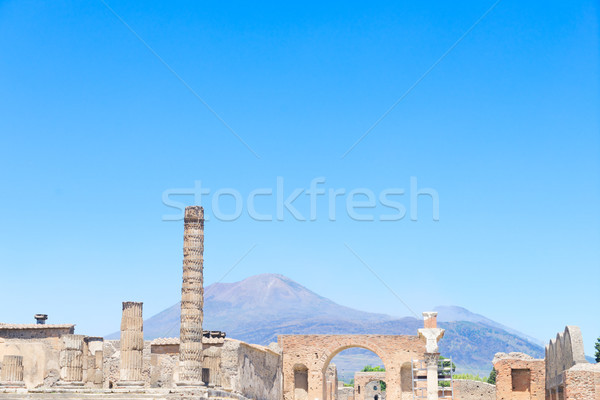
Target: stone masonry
(519, 377)
(71, 360)
(313, 353)
(568, 374)
(361, 379)
(132, 344)
(192, 298)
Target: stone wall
(361, 379)
(568, 374)
(473, 390)
(519, 377)
(582, 382)
(34, 331)
(40, 359)
(345, 393)
(251, 370)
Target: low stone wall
(345, 393)
(252, 371)
(473, 390)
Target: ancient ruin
(132, 345)
(12, 372)
(192, 298)
(50, 361)
(367, 386)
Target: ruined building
(50, 361)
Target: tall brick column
(192, 298)
(12, 371)
(132, 344)
(71, 361)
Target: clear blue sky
(94, 129)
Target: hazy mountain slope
(261, 307)
(456, 313)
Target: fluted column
(71, 360)
(192, 298)
(12, 371)
(132, 344)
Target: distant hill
(261, 307)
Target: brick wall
(582, 383)
(520, 379)
(314, 352)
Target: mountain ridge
(260, 307)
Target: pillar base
(8, 384)
(130, 384)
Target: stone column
(192, 298)
(71, 361)
(431, 334)
(431, 360)
(132, 345)
(12, 371)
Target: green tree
(446, 363)
(597, 347)
(470, 377)
(492, 378)
(370, 368)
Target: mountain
(261, 307)
(455, 313)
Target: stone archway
(316, 352)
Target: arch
(317, 351)
(349, 344)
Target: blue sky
(94, 128)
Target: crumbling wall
(362, 379)
(251, 370)
(519, 377)
(40, 359)
(345, 393)
(582, 382)
(112, 359)
(473, 390)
